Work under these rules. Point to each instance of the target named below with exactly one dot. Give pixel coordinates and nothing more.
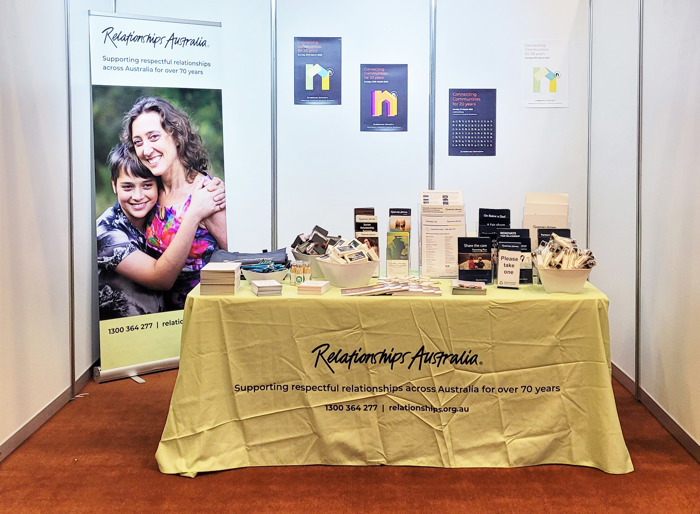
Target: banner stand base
(137, 369)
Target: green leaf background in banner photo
(111, 103)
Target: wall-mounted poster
(317, 70)
(545, 73)
(158, 146)
(472, 120)
(384, 97)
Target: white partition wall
(670, 308)
(326, 166)
(480, 45)
(613, 180)
(35, 288)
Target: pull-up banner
(179, 61)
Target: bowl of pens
(562, 266)
(264, 270)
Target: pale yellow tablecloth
(523, 379)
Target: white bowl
(316, 272)
(348, 275)
(270, 275)
(563, 280)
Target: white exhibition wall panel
(670, 315)
(613, 180)
(326, 165)
(34, 213)
(480, 45)
(246, 105)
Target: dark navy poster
(472, 128)
(384, 97)
(317, 67)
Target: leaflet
(441, 225)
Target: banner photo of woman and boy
(160, 198)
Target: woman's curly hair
(190, 147)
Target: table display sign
(509, 378)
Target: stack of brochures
(313, 287)
(468, 287)
(266, 287)
(220, 278)
(395, 287)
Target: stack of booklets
(419, 290)
(266, 287)
(468, 287)
(220, 278)
(313, 287)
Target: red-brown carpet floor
(97, 455)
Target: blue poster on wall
(383, 97)
(472, 129)
(317, 70)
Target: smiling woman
(163, 140)
(130, 281)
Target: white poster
(545, 73)
(158, 143)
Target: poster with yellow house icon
(383, 97)
(317, 71)
(545, 73)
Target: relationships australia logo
(331, 358)
(120, 38)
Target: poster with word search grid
(472, 120)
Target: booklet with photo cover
(397, 253)
(474, 259)
(399, 220)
